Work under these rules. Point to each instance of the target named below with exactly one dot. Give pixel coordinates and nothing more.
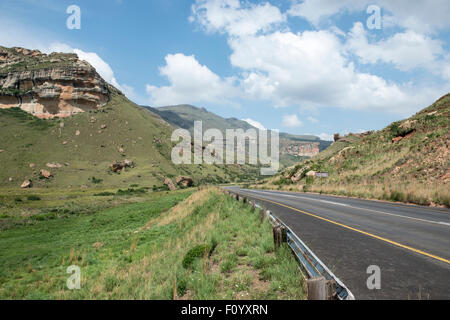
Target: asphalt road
(410, 244)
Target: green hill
(407, 161)
(101, 126)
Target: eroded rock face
(48, 86)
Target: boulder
(26, 184)
(77, 133)
(168, 182)
(185, 181)
(118, 166)
(46, 174)
(103, 126)
(32, 165)
(54, 165)
(311, 173)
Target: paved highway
(410, 244)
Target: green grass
(85, 158)
(207, 247)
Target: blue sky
(311, 66)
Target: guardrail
(322, 283)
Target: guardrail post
(279, 235)
(253, 205)
(317, 288)
(331, 290)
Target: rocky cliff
(48, 86)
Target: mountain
(292, 147)
(62, 125)
(407, 161)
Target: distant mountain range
(292, 147)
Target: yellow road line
(360, 231)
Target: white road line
(359, 208)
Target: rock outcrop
(169, 183)
(185, 181)
(48, 86)
(119, 166)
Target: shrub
(198, 252)
(33, 198)
(94, 180)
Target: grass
(85, 158)
(181, 245)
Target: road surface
(410, 244)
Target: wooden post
(331, 290)
(317, 289)
(253, 205)
(244, 199)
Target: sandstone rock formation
(48, 86)
(168, 182)
(46, 174)
(184, 181)
(26, 184)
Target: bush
(94, 180)
(198, 252)
(33, 198)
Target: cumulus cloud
(314, 68)
(416, 15)
(326, 137)
(405, 50)
(235, 17)
(190, 82)
(255, 123)
(291, 121)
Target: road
(410, 244)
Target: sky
(301, 66)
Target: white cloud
(326, 137)
(405, 50)
(255, 123)
(311, 69)
(190, 82)
(418, 15)
(234, 17)
(312, 119)
(291, 121)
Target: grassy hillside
(407, 161)
(86, 144)
(179, 245)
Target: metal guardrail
(313, 266)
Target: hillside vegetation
(183, 116)
(177, 245)
(84, 146)
(407, 161)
